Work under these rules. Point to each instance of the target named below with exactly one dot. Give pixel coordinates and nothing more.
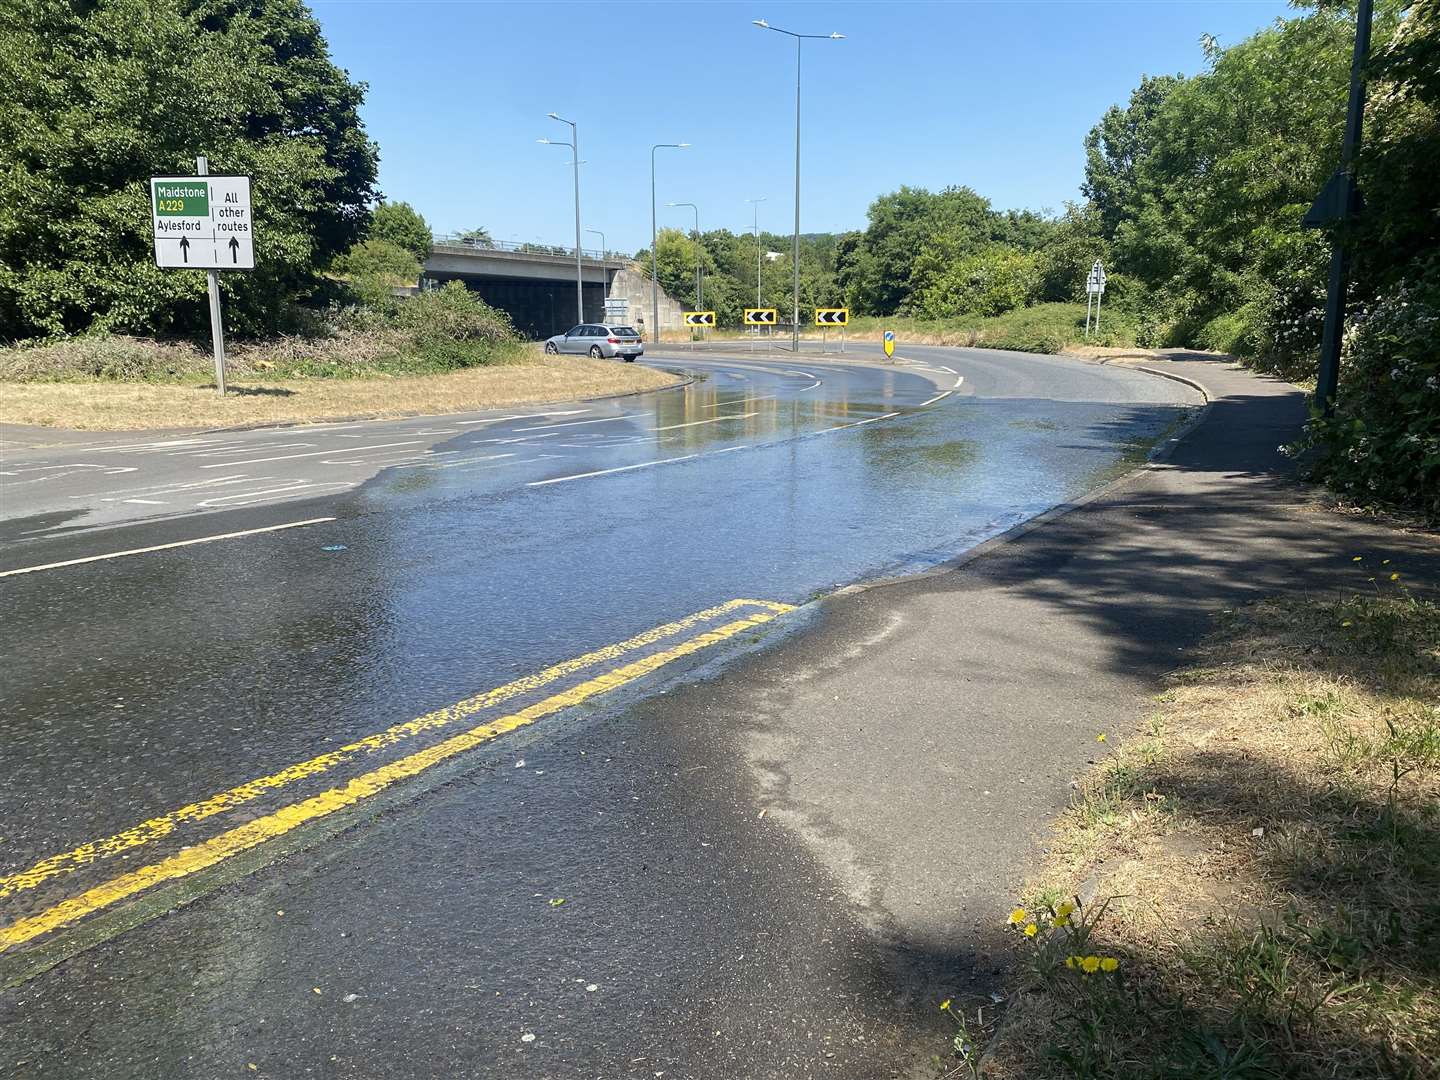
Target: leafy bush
(373, 268)
(992, 281)
(1383, 444)
(452, 327)
(436, 331)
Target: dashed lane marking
(312, 453)
(208, 853)
(164, 547)
(712, 420)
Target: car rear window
(624, 331)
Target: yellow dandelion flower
(1071, 962)
(1031, 930)
(1394, 577)
(1357, 558)
(945, 1005)
(1090, 965)
(1065, 909)
(1017, 916)
(1100, 737)
(1345, 622)
(1061, 920)
(1109, 963)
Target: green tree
(96, 96)
(479, 236)
(373, 268)
(990, 281)
(400, 225)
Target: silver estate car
(599, 341)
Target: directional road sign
(889, 339)
(1095, 282)
(202, 222)
(761, 316)
(699, 318)
(832, 316)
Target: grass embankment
(1043, 328)
(1262, 865)
(124, 384)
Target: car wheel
(595, 353)
(629, 359)
(552, 348)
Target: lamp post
(654, 263)
(604, 251)
(755, 204)
(574, 146)
(799, 40)
(699, 255)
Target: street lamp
(574, 146)
(799, 40)
(699, 253)
(755, 203)
(604, 251)
(654, 263)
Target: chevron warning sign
(761, 316)
(699, 318)
(832, 316)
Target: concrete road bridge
(535, 283)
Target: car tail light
(613, 340)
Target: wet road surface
(177, 720)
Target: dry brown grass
(1268, 856)
(115, 406)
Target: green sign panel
(180, 199)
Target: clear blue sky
(998, 96)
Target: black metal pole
(1328, 378)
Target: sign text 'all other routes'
(202, 222)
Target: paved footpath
(923, 734)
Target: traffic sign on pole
(699, 318)
(832, 316)
(765, 316)
(889, 338)
(202, 222)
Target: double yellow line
(227, 844)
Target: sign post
(204, 222)
(1094, 290)
(757, 317)
(832, 316)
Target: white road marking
(642, 465)
(225, 449)
(607, 472)
(524, 416)
(958, 381)
(936, 398)
(805, 374)
(313, 453)
(452, 464)
(948, 370)
(175, 489)
(860, 423)
(522, 438)
(293, 487)
(578, 423)
(712, 420)
(746, 401)
(144, 502)
(164, 547)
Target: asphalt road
(210, 858)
